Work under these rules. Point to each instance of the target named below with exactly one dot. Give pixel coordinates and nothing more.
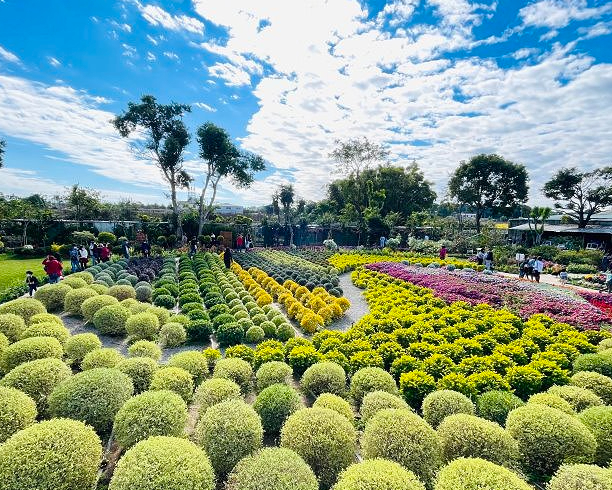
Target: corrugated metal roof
(568, 229)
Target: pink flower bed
(522, 298)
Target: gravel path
(358, 308)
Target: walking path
(550, 280)
(359, 306)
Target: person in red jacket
(105, 253)
(53, 268)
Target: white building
(228, 209)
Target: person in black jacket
(227, 257)
(32, 282)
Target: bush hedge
(12, 326)
(324, 439)
(29, 350)
(174, 379)
(164, 462)
(74, 300)
(79, 345)
(145, 348)
(193, 361)
(274, 405)
(335, 403)
(597, 383)
(599, 422)
(478, 474)
(375, 401)
(579, 398)
(273, 372)
(370, 379)
(228, 432)
(216, 390)
(236, 370)
(140, 370)
(17, 411)
(52, 296)
(122, 292)
(172, 334)
(90, 306)
(46, 318)
(143, 326)
(152, 413)
(495, 405)
(377, 474)
(58, 454)
(26, 308)
(324, 377)
(580, 476)
(111, 319)
(105, 357)
(440, 404)
(550, 400)
(47, 329)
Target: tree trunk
(201, 213)
(25, 233)
(478, 221)
(175, 210)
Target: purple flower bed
(522, 298)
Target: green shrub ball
(101, 358)
(152, 413)
(12, 326)
(230, 333)
(172, 334)
(496, 405)
(324, 439)
(52, 296)
(74, 300)
(335, 403)
(403, 437)
(90, 306)
(174, 379)
(167, 463)
(38, 379)
(29, 350)
(478, 474)
(323, 377)
(228, 432)
(467, 436)
(550, 400)
(581, 477)
(25, 308)
(140, 370)
(143, 326)
(599, 422)
(235, 369)
(58, 454)
(79, 345)
(579, 398)
(111, 319)
(193, 361)
(254, 335)
(17, 411)
(93, 396)
(440, 404)
(371, 379)
(46, 318)
(216, 390)
(145, 348)
(598, 383)
(274, 404)
(122, 292)
(273, 372)
(47, 329)
(377, 474)
(375, 401)
(272, 468)
(548, 437)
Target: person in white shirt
(538, 268)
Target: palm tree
(286, 196)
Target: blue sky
(437, 81)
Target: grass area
(12, 269)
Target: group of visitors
(99, 252)
(485, 257)
(531, 268)
(79, 257)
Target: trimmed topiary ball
(467, 436)
(122, 292)
(57, 454)
(101, 358)
(172, 334)
(52, 296)
(37, 379)
(254, 335)
(235, 369)
(48, 329)
(152, 413)
(442, 403)
(143, 326)
(12, 326)
(140, 370)
(335, 403)
(174, 379)
(111, 319)
(323, 377)
(145, 348)
(496, 405)
(143, 293)
(274, 404)
(26, 308)
(29, 350)
(600, 363)
(579, 398)
(90, 306)
(230, 333)
(273, 372)
(216, 390)
(272, 468)
(597, 383)
(371, 379)
(228, 432)
(93, 396)
(478, 474)
(17, 411)
(547, 437)
(284, 332)
(550, 400)
(324, 439)
(46, 318)
(580, 477)
(377, 474)
(599, 422)
(403, 437)
(375, 401)
(75, 298)
(79, 345)
(193, 361)
(168, 463)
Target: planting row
(350, 261)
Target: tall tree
(537, 217)
(223, 160)
(83, 203)
(355, 155)
(489, 182)
(32, 210)
(286, 196)
(166, 139)
(2, 146)
(581, 194)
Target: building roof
(568, 229)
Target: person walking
(92, 246)
(443, 252)
(227, 257)
(74, 258)
(32, 282)
(145, 248)
(521, 267)
(488, 259)
(538, 268)
(125, 249)
(53, 268)
(83, 257)
(96, 253)
(479, 256)
(105, 253)
(382, 241)
(193, 248)
(240, 242)
(248, 242)
(605, 262)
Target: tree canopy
(489, 182)
(581, 194)
(353, 156)
(83, 202)
(166, 139)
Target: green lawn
(12, 270)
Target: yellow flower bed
(349, 262)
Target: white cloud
(8, 56)
(152, 40)
(599, 29)
(523, 53)
(204, 106)
(171, 55)
(129, 51)
(557, 14)
(157, 16)
(123, 27)
(233, 75)
(151, 56)
(54, 62)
